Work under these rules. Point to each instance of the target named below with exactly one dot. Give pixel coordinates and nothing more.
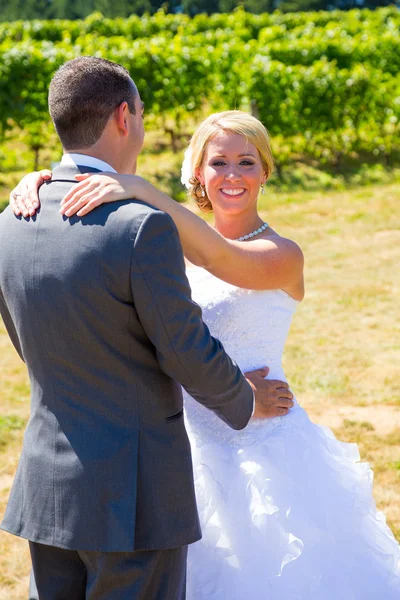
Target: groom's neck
(116, 146)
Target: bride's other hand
(93, 190)
(24, 199)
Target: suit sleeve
(185, 348)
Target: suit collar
(68, 172)
(73, 159)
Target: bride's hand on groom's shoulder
(92, 190)
(24, 198)
(273, 398)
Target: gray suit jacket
(99, 309)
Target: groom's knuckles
(285, 394)
(279, 384)
(262, 372)
(284, 403)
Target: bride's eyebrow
(239, 155)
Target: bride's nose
(232, 174)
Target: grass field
(343, 354)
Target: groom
(100, 311)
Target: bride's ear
(199, 176)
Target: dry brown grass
(343, 353)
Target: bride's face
(232, 173)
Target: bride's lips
(232, 192)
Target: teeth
(234, 192)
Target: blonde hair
(235, 121)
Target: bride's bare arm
(269, 263)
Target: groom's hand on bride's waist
(272, 397)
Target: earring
(203, 193)
(262, 189)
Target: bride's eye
(218, 163)
(247, 163)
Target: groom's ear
(121, 114)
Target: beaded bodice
(253, 327)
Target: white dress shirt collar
(73, 159)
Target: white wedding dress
(286, 510)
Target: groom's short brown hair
(83, 94)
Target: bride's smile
(234, 192)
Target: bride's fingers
(19, 200)
(89, 206)
(73, 206)
(102, 174)
(83, 176)
(82, 194)
(32, 196)
(78, 189)
(13, 207)
(16, 204)
(76, 204)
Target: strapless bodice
(252, 326)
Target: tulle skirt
(290, 517)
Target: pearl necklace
(252, 233)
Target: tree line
(80, 9)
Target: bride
(286, 510)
